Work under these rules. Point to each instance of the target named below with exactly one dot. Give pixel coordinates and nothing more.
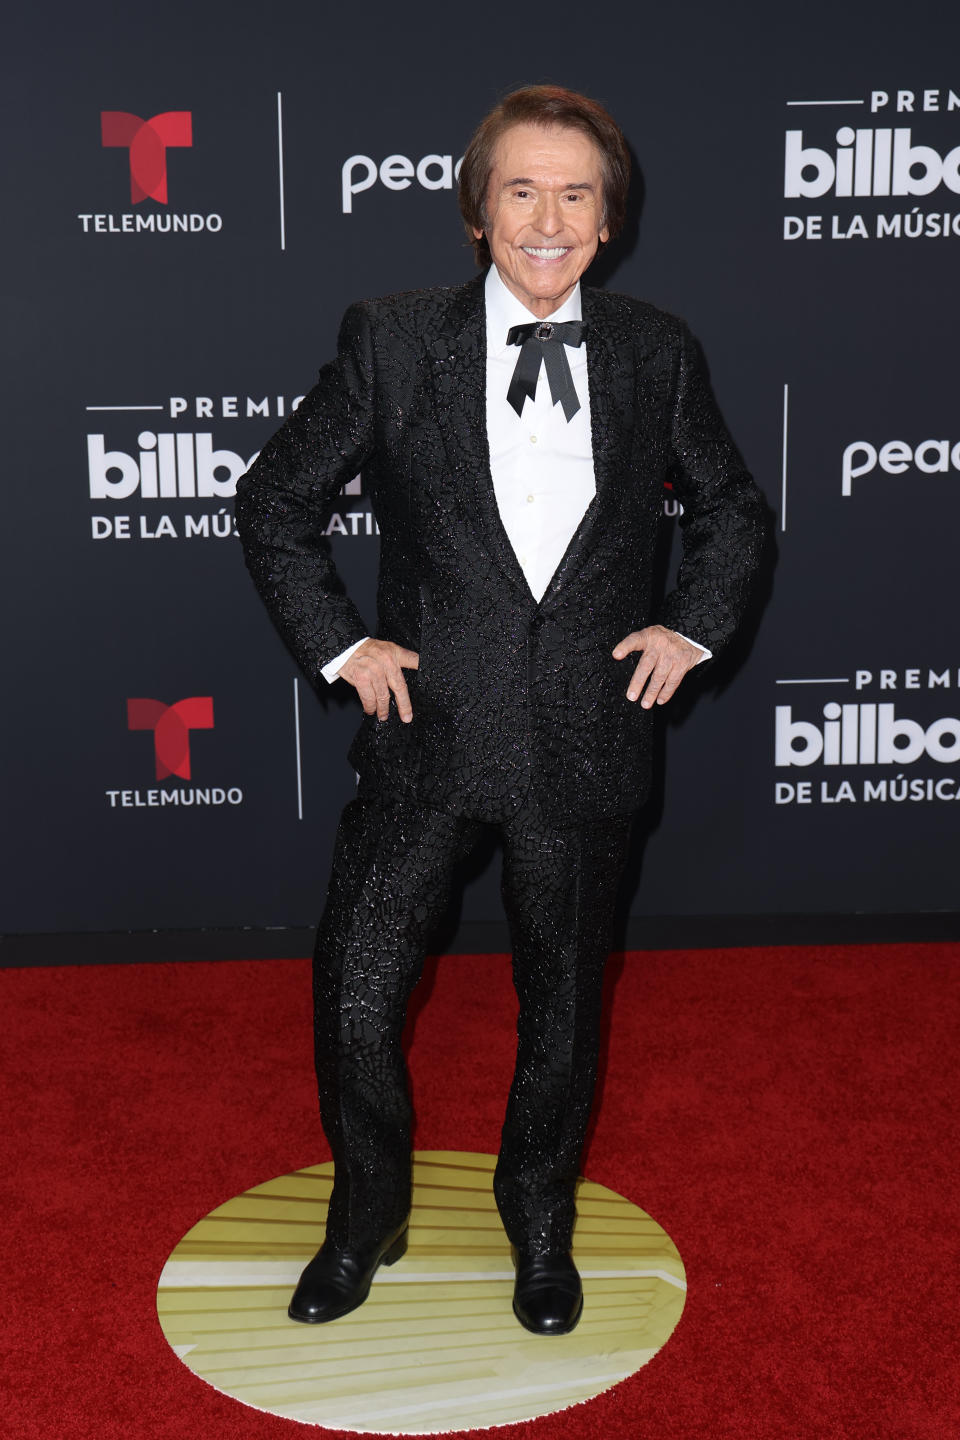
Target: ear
(604, 235)
(477, 234)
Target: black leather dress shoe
(338, 1280)
(547, 1296)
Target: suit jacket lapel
(458, 361)
(611, 364)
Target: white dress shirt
(540, 462)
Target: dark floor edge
(652, 932)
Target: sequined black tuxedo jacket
(510, 692)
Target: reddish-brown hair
(544, 105)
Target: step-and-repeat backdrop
(195, 195)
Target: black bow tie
(544, 341)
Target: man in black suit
(517, 476)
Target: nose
(548, 219)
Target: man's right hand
(375, 670)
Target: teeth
(545, 253)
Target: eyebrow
(525, 180)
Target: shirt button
(533, 439)
(529, 499)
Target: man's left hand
(666, 659)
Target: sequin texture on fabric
(510, 694)
(520, 716)
(392, 873)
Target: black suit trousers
(393, 872)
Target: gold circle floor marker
(435, 1347)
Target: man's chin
(553, 285)
(555, 273)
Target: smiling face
(544, 212)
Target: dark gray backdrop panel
(859, 329)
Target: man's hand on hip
(666, 658)
(375, 670)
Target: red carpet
(789, 1116)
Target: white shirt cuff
(707, 654)
(331, 670)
